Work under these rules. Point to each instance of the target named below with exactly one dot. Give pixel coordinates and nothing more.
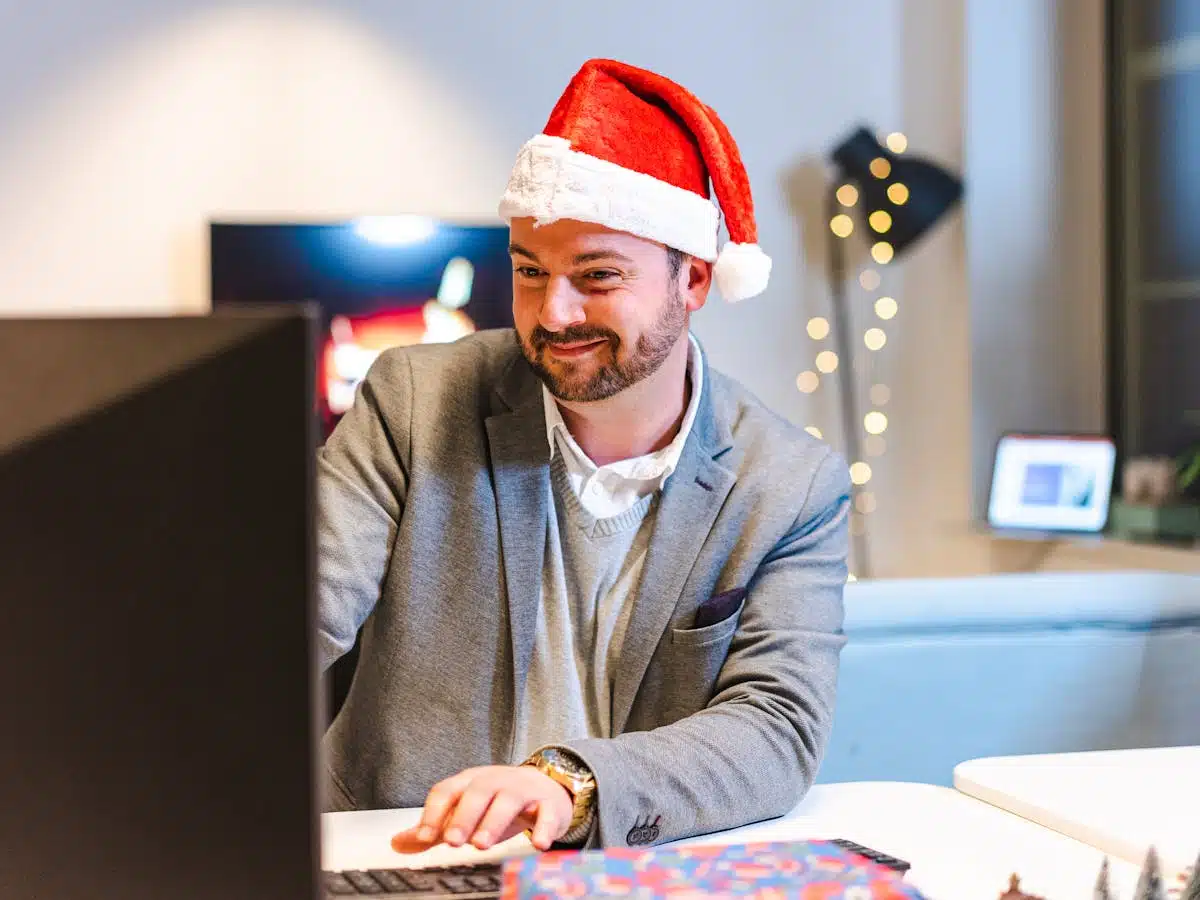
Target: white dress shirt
(615, 488)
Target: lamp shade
(913, 192)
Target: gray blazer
(433, 505)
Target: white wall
(126, 125)
(1002, 324)
(926, 472)
(1035, 238)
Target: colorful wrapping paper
(807, 870)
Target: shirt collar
(659, 464)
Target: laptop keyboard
(477, 882)
(876, 856)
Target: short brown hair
(674, 262)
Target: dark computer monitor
(160, 710)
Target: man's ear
(699, 280)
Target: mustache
(575, 334)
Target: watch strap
(573, 774)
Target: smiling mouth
(576, 349)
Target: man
(599, 584)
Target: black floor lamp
(898, 198)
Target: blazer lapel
(521, 475)
(687, 509)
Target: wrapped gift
(808, 870)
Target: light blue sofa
(937, 671)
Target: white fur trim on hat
(550, 181)
(742, 271)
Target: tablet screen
(1052, 482)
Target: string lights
(889, 200)
(825, 362)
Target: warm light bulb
(875, 422)
(860, 473)
(869, 279)
(882, 252)
(818, 328)
(897, 193)
(880, 167)
(814, 431)
(807, 381)
(874, 338)
(865, 502)
(875, 445)
(880, 221)
(897, 142)
(841, 225)
(886, 307)
(847, 195)
(880, 394)
(827, 361)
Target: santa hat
(633, 151)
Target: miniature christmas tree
(1192, 890)
(1150, 883)
(1103, 891)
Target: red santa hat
(635, 152)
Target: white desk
(959, 848)
(1120, 801)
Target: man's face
(596, 310)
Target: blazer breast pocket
(689, 664)
(717, 618)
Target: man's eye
(528, 271)
(601, 275)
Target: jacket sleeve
(753, 751)
(362, 478)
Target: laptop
(1049, 485)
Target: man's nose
(562, 305)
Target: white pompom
(741, 271)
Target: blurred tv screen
(379, 282)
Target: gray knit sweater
(590, 574)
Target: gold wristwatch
(568, 770)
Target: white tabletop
(959, 848)
(1121, 801)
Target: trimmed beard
(643, 360)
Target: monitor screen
(158, 651)
(1052, 482)
(379, 282)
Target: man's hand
(487, 805)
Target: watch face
(566, 762)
